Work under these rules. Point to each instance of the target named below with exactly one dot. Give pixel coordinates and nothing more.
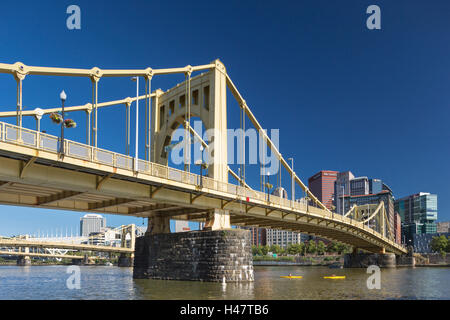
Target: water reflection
(49, 282)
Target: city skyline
(372, 87)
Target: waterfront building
(282, 238)
(258, 235)
(91, 223)
(322, 186)
(418, 213)
(422, 242)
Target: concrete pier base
(24, 261)
(216, 256)
(364, 260)
(406, 261)
(125, 261)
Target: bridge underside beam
(320, 230)
(57, 197)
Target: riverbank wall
(313, 260)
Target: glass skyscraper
(418, 213)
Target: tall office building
(443, 227)
(342, 188)
(322, 186)
(418, 213)
(91, 223)
(385, 196)
(282, 238)
(359, 186)
(258, 235)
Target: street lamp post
(137, 123)
(239, 175)
(63, 98)
(268, 186)
(60, 119)
(202, 165)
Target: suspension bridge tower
(218, 252)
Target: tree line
(440, 244)
(308, 247)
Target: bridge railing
(21, 136)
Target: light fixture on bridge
(269, 186)
(63, 96)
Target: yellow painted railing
(21, 136)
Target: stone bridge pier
(24, 260)
(216, 254)
(364, 260)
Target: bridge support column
(215, 256)
(405, 261)
(364, 260)
(158, 223)
(24, 261)
(217, 220)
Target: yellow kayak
(334, 277)
(291, 277)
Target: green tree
(301, 248)
(275, 249)
(295, 249)
(321, 247)
(343, 248)
(290, 249)
(333, 247)
(264, 250)
(311, 247)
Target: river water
(99, 282)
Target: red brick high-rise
(322, 186)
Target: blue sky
(375, 102)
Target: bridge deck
(61, 245)
(39, 255)
(101, 181)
